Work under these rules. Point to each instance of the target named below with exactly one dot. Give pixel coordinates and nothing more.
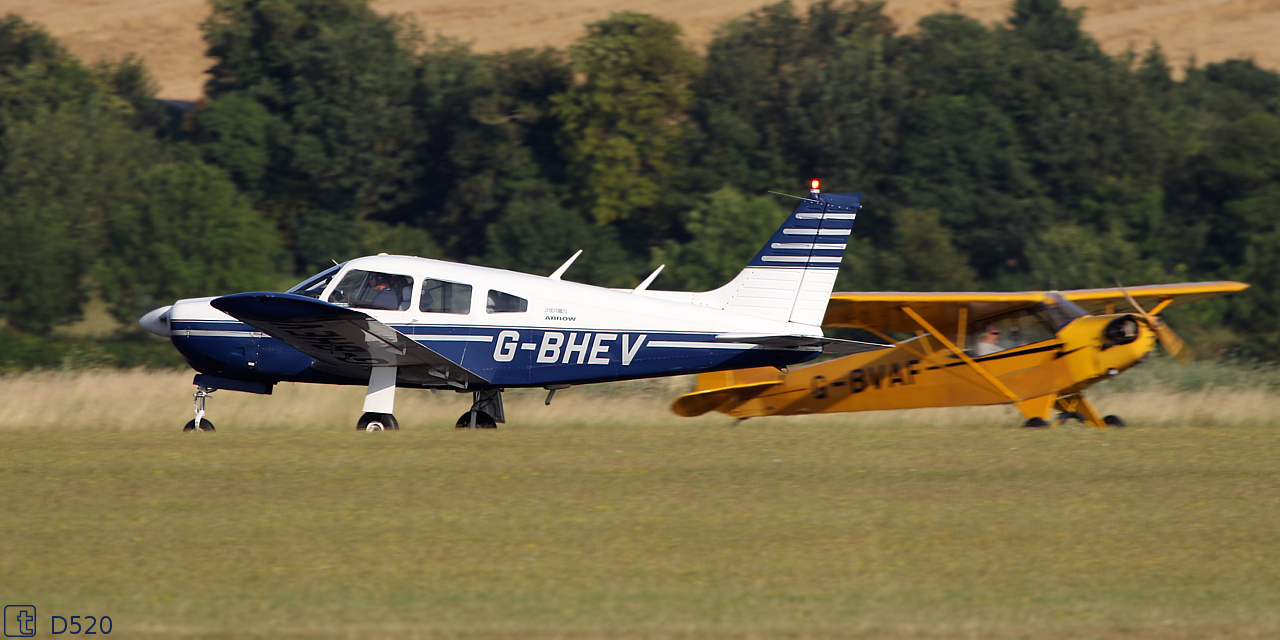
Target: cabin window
(1006, 332)
(314, 286)
(439, 296)
(499, 302)
(361, 289)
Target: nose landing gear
(199, 423)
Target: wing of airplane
(884, 310)
(343, 341)
(1150, 297)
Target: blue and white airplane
(389, 321)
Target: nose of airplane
(157, 321)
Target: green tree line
(1000, 156)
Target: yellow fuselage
(922, 372)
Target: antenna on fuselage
(555, 275)
(647, 281)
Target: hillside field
(166, 32)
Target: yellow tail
(723, 390)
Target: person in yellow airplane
(990, 342)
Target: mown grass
(605, 516)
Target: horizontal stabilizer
(828, 345)
(343, 340)
(700, 402)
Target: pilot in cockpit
(388, 292)
(990, 342)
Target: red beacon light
(813, 186)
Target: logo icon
(19, 621)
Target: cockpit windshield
(314, 286)
(1060, 311)
(373, 290)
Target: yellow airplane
(1036, 350)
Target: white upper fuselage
(557, 304)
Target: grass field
(605, 516)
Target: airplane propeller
(1168, 339)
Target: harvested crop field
(166, 32)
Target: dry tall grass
(145, 399)
(158, 400)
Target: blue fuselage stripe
(506, 356)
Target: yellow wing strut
(986, 375)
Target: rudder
(793, 274)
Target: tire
(205, 425)
(483, 421)
(1035, 423)
(1113, 421)
(379, 422)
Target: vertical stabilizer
(791, 277)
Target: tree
(1066, 256)
(786, 98)
(923, 256)
(622, 123)
(536, 236)
(37, 74)
(63, 174)
(91, 198)
(130, 82)
(490, 142)
(336, 80)
(233, 133)
(1048, 25)
(726, 229)
(185, 232)
(1254, 311)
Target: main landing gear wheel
(483, 421)
(371, 422)
(1035, 423)
(1113, 421)
(205, 425)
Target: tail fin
(791, 277)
